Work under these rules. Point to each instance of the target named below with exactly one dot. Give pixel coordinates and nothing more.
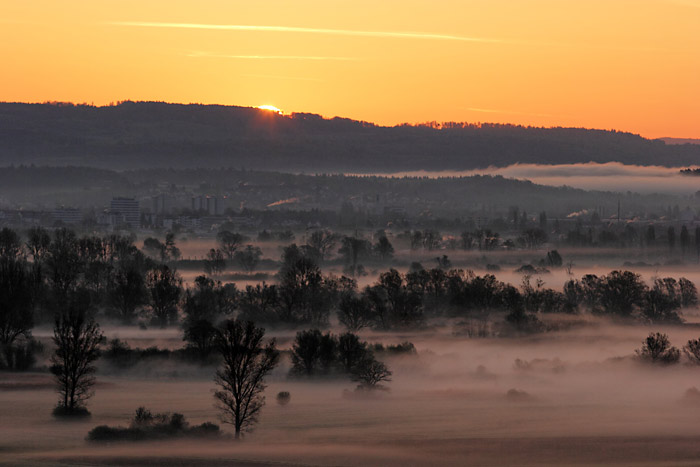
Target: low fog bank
(609, 176)
(456, 400)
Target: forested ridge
(156, 135)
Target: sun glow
(271, 108)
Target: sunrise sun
(271, 108)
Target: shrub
(149, 426)
(283, 398)
(61, 411)
(402, 348)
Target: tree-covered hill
(157, 135)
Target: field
(576, 397)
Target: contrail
(335, 32)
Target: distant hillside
(152, 135)
(680, 140)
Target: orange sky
(632, 65)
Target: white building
(128, 208)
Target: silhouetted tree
(155, 248)
(38, 243)
(77, 338)
(64, 265)
(10, 244)
(164, 290)
(304, 296)
(393, 303)
(259, 303)
(351, 351)
(322, 242)
(689, 294)
(204, 306)
(306, 352)
(619, 293)
(370, 372)
(229, 242)
(128, 292)
(554, 259)
(443, 262)
(353, 250)
(16, 310)
(431, 239)
(662, 301)
(467, 240)
(214, 262)
(384, 248)
(657, 348)
(355, 312)
(172, 252)
(249, 257)
(533, 238)
(241, 378)
(692, 351)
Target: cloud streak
(297, 78)
(290, 29)
(271, 57)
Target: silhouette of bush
(149, 426)
(283, 398)
(402, 348)
(517, 395)
(61, 411)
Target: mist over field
(567, 397)
(609, 176)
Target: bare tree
(249, 257)
(323, 242)
(229, 242)
(214, 262)
(241, 377)
(77, 338)
(370, 372)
